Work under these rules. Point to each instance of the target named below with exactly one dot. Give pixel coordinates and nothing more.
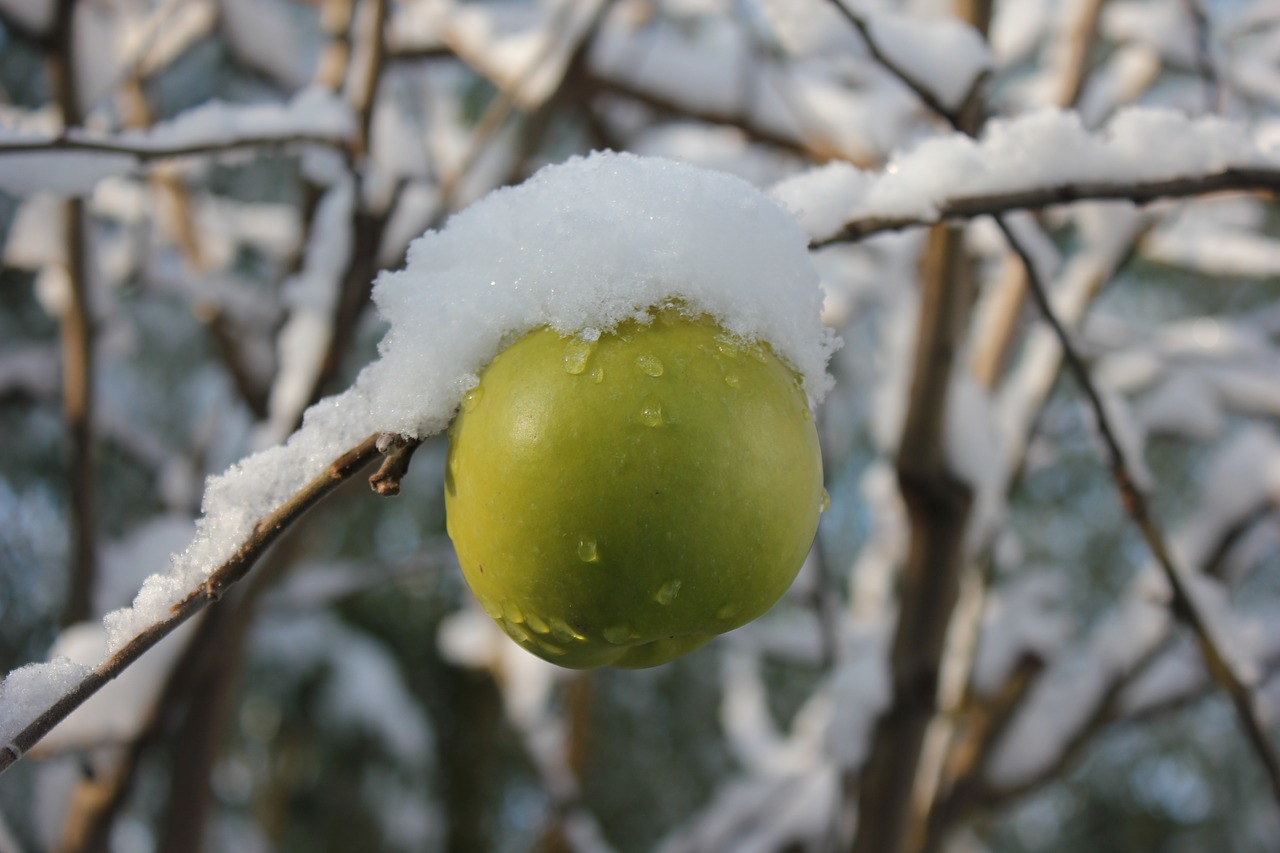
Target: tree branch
(1232, 179)
(1185, 605)
(264, 534)
(146, 153)
(938, 507)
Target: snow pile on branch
(580, 247)
(1046, 148)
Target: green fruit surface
(621, 502)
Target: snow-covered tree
(1021, 255)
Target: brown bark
(937, 508)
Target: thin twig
(923, 92)
(145, 152)
(264, 533)
(399, 451)
(1185, 605)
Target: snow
(1044, 148)
(312, 296)
(1077, 679)
(523, 48)
(1022, 616)
(122, 708)
(580, 247)
(30, 690)
(975, 452)
(945, 55)
(312, 111)
(67, 173)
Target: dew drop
(515, 632)
(550, 648)
(757, 352)
(731, 379)
(511, 612)
(649, 364)
(597, 374)
(471, 399)
(537, 623)
(588, 550)
(491, 607)
(727, 611)
(618, 634)
(727, 348)
(651, 413)
(576, 353)
(668, 591)
(563, 631)
(826, 502)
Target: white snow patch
(29, 691)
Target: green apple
(624, 500)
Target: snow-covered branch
(50, 692)
(74, 161)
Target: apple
(622, 501)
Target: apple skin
(623, 501)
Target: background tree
(1040, 611)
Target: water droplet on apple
(727, 611)
(511, 612)
(618, 634)
(563, 631)
(668, 591)
(471, 399)
(491, 607)
(576, 353)
(517, 633)
(597, 374)
(588, 550)
(826, 502)
(651, 413)
(727, 348)
(650, 364)
(731, 379)
(537, 623)
(550, 648)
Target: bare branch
(1185, 605)
(264, 534)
